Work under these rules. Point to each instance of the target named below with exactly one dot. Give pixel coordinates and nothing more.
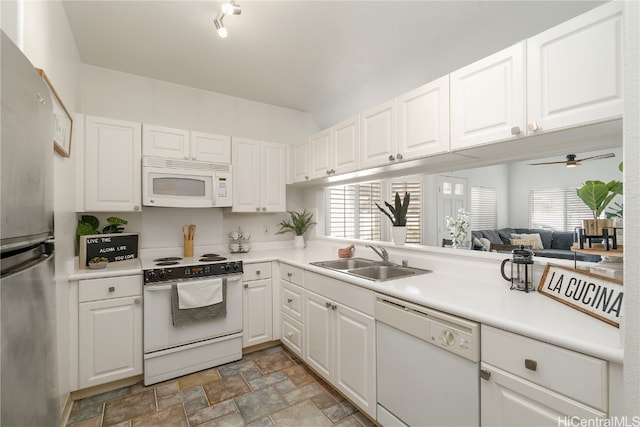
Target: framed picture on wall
(62, 121)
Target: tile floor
(269, 387)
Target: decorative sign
(114, 247)
(596, 295)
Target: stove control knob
(227, 267)
(151, 275)
(163, 274)
(236, 266)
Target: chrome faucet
(382, 252)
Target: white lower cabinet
(340, 340)
(257, 304)
(109, 329)
(525, 382)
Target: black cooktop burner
(206, 258)
(168, 258)
(163, 263)
(210, 255)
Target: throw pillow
(535, 237)
(486, 243)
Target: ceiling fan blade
(600, 156)
(549, 163)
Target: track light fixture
(220, 28)
(231, 8)
(228, 8)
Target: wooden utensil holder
(188, 248)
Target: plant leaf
(114, 220)
(90, 220)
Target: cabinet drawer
(261, 270)
(291, 274)
(292, 334)
(578, 376)
(292, 300)
(110, 287)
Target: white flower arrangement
(458, 227)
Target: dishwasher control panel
(459, 339)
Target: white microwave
(185, 183)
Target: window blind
(414, 214)
(484, 208)
(342, 206)
(368, 213)
(556, 208)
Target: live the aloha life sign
(596, 295)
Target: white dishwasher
(427, 366)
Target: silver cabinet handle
(399, 156)
(246, 285)
(327, 304)
(289, 274)
(257, 272)
(485, 375)
(289, 300)
(328, 172)
(289, 334)
(530, 364)
(333, 306)
(136, 208)
(112, 288)
(533, 126)
(391, 158)
(264, 209)
(257, 209)
(306, 177)
(136, 301)
(515, 130)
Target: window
(414, 214)
(556, 208)
(484, 208)
(352, 211)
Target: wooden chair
(446, 243)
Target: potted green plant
(299, 223)
(597, 195)
(398, 216)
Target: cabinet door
(113, 168)
(321, 154)
(355, 363)
(246, 175)
(318, 326)
(273, 178)
(207, 147)
(346, 145)
(110, 340)
(574, 71)
(379, 135)
(300, 163)
(507, 400)
(487, 99)
(158, 141)
(257, 312)
(424, 120)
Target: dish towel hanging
(186, 316)
(199, 293)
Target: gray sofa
(557, 244)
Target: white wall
(41, 31)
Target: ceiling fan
(573, 162)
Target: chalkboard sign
(114, 247)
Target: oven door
(159, 332)
(177, 188)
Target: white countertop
(467, 286)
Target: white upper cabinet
(574, 71)
(113, 167)
(424, 120)
(258, 176)
(320, 154)
(379, 135)
(207, 147)
(487, 99)
(300, 162)
(158, 141)
(346, 145)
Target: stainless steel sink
(381, 273)
(346, 263)
(378, 271)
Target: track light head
(231, 8)
(220, 28)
